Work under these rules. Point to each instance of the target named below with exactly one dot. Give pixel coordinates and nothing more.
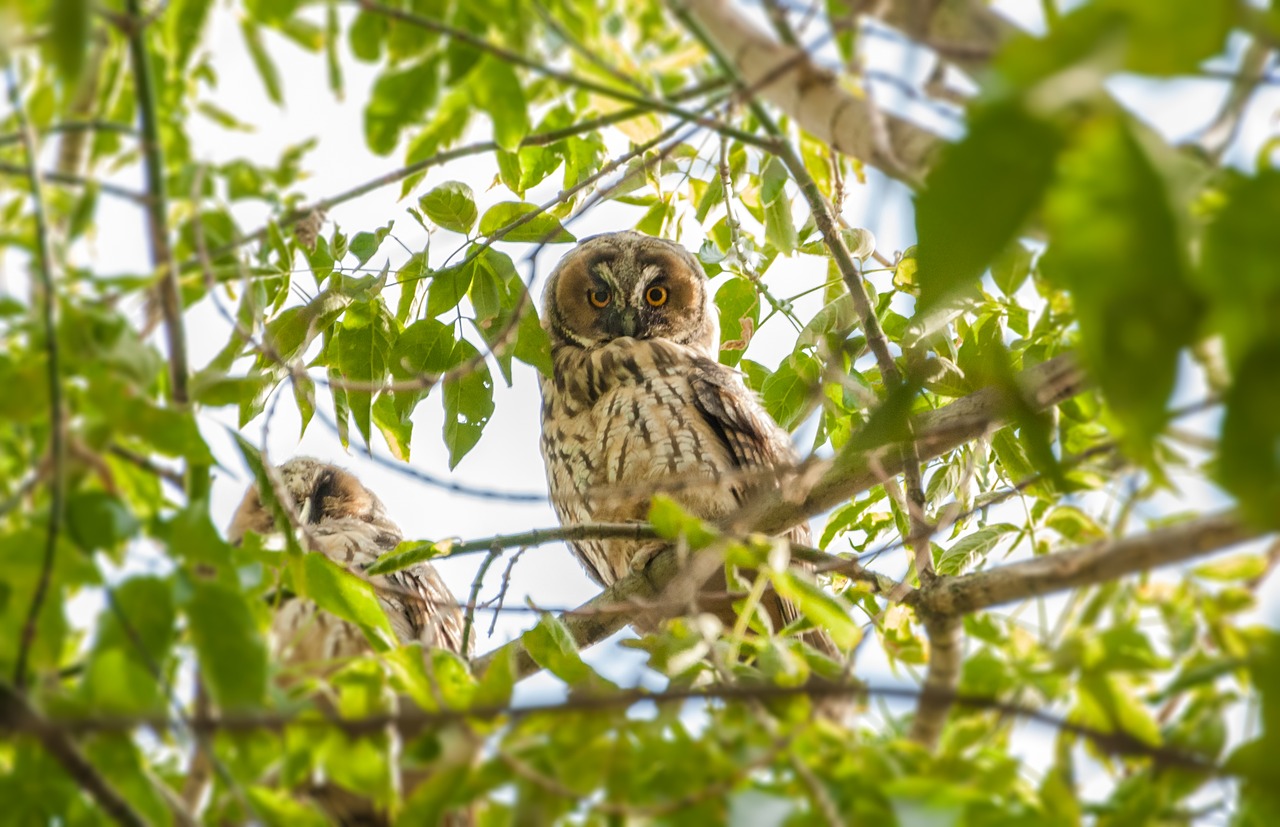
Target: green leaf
(1238, 270)
(425, 347)
(530, 224)
(409, 554)
(400, 97)
(1011, 268)
(1008, 157)
(232, 654)
(973, 548)
(366, 244)
(1115, 245)
(367, 34)
(533, 345)
(499, 680)
(262, 61)
(68, 39)
(779, 226)
(1249, 465)
(1174, 36)
(739, 307)
(672, 522)
(497, 91)
(790, 391)
(397, 431)
(468, 405)
(827, 612)
(349, 597)
(363, 344)
(447, 288)
(1235, 567)
(553, 648)
(184, 23)
(452, 205)
(98, 521)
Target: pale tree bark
(813, 96)
(965, 33)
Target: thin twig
(74, 126)
(477, 582)
(512, 58)
(57, 435)
(66, 179)
(170, 296)
(443, 157)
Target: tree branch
(410, 720)
(847, 475)
(966, 33)
(170, 296)
(57, 435)
(1096, 563)
(66, 179)
(810, 94)
(18, 716)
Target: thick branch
(1097, 563)
(849, 474)
(812, 95)
(963, 32)
(17, 715)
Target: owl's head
(630, 284)
(319, 492)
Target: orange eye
(599, 297)
(656, 296)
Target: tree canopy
(1030, 423)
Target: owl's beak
(624, 323)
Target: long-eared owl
(638, 403)
(347, 523)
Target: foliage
(1059, 223)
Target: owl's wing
(754, 442)
(433, 614)
(417, 602)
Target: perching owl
(347, 523)
(638, 402)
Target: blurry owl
(348, 524)
(638, 403)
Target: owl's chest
(636, 438)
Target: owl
(638, 403)
(348, 524)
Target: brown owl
(638, 400)
(347, 523)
